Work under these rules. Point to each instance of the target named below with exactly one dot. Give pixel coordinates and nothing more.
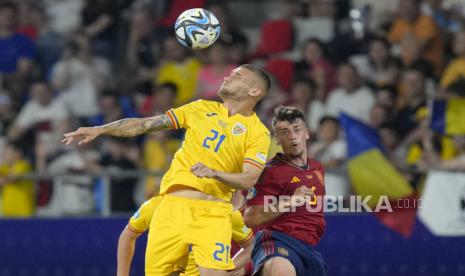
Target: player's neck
(235, 107)
(300, 161)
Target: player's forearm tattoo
(137, 126)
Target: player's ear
(307, 136)
(255, 92)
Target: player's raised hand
(84, 134)
(200, 170)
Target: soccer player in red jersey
(283, 206)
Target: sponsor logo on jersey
(212, 114)
(238, 129)
(295, 179)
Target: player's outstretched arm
(239, 181)
(122, 128)
(126, 245)
(256, 215)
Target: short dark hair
(172, 87)
(328, 119)
(287, 113)
(260, 73)
(306, 80)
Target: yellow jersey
(184, 75)
(240, 234)
(219, 141)
(454, 71)
(17, 196)
(140, 221)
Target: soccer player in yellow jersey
(225, 148)
(140, 222)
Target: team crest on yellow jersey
(238, 129)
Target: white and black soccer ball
(197, 28)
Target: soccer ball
(197, 28)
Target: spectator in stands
(235, 39)
(410, 56)
(386, 96)
(395, 151)
(17, 194)
(100, 20)
(352, 96)
(303, 93)
(411, 21)
(7, 115)
(162, 99)
(80, 76)
(275, 97)
(73, 193)
(446, 14)
(16, 52)
(64, 15)
(380, 68)
(112, 108)
(49, 44)
(329, 149)
(456, 68)
(379, 115)
(413, 101)
(212, 75)
(455, 164)
(316, 65)
(179, 68)
(43, 114)
(141, 53)
(118, 160)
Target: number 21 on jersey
(214, 140)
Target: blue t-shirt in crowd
(12, 49)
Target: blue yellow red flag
(448, 116)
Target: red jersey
(281, 178)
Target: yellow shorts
(180, 225)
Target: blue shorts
(306, 261)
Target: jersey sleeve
(267, 185)
(140, 221)
(257, 148)
(240, 232)
(181, 116)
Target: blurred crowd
(70, 63)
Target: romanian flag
(372, 174)
(449, 116)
